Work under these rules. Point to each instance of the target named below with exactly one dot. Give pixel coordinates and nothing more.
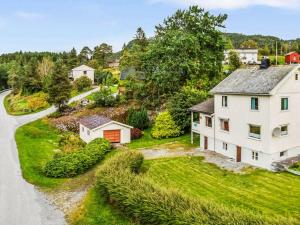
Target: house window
(208, 121)
(85, 72)
(224, 123)
(284, 130)
(254, 103)
(196, 117)
(88, 132)
(284, 104)
(82, 129)
(254, 155)
(254, 131)
(296, 77)
(224, 101)
(225, 146)
(284, 153)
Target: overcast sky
(57, 25)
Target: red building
(292, 58)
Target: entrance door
(113, 136)
(205, 143)
(238, 154)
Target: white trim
(111, 122)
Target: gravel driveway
(20, 202)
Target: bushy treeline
(77, 162)
(146, 202)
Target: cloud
(28, 15)
(234, 4)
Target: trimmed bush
(138, 197)
(138, 119)
(165, 126)
(83, 83)
(136, 133)
(72, 164)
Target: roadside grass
(113, 88)
(36, 143)
(257, 190)
(18, 105)
(148, 141)
(94, 210)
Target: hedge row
(140, 198)
(72, 164)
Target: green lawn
(258, 190)
(75, 92)
(36, 143)
(95, 211)
(148, 141)
(296, 167)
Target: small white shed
(83, 70)
(93, 127)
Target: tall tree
(72, 59)
(60, 86)
(102, 53)
(45, 69)
(188, 46)
(85, 55)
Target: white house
(83, 70)
(93, 127)
(253, 116)
(247, 56)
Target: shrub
(165, 126)
(138, 119)
(82, 83)
(136, 133)
(37, 101)
(72, 164)
(70, 142)
(139, 197)
(104, 98)
(179, 104)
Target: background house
(93, 127)
(83, 70)
(247, 56)
(292, 58)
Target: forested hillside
(267, 43)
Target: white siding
(80, 73)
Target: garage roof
(94, 121)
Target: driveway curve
(20, 202)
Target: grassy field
(148, 141)
(257, 190)
(21, 105)
(36, 143)
(95, 211)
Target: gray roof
(253, 81)
(207, 107)
(94, 121)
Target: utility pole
(276, 54)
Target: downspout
(213, 115)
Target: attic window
(85, 72)
(296, 77)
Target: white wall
(79, 73)
(245, 55)
(98, 133)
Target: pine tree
(60, 86)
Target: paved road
(20, 202)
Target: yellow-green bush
(140, 198)
(165, 126)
